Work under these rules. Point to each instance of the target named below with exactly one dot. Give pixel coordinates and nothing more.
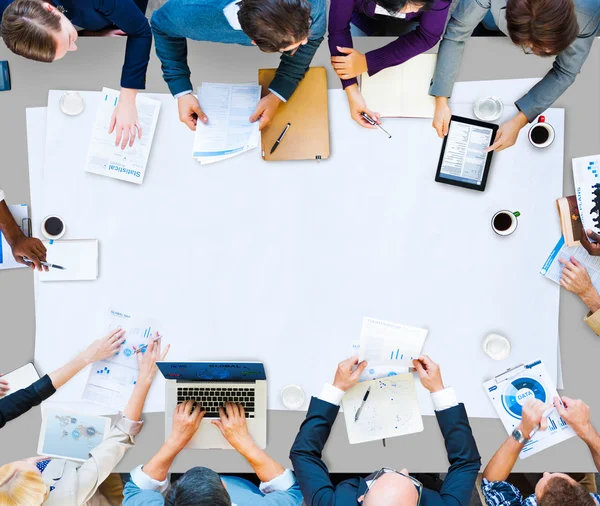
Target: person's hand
(348, 372)
(190, 111)
(233, 426)
(508, 132)
(575, 277)
(147, 359)
(350, 66)
(265, 110)
(4, 388)
(357, 105)
(531, 416)
(441, 116)
(31, 248)
(104, 347)
(125, 119)
(186, 420)
(593, 248)
(576, 413)
(429, 373)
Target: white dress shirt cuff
(331, 394)
(277, 95)
(444, 399)
(283, 482)
(144, 482)
(1, 195)
(130, 427)
(183, 94)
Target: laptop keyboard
(211, 399)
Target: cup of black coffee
(541, 134)
(53, 227)
(505, 222)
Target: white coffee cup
(293, 396)
(71, 103)
(496, 346)
(53, 227)
(505, 222)
(543, 128)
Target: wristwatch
(519, 437)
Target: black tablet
(463, 161)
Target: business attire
(566, 66)
(75, 483)
(502, 493)
(365, 14)
(313, 475)
(217, 21)
(283, 490)
(127, 15)
(21, 401)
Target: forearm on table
(135, 405)
(8, 225)
(159, 465)
(591, 299)
(263, 465)
(67, 371)
(503, 461)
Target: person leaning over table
(14, 405)
(554, 489)
(385, 487)
(200, 486)
(561, 28)
(575, 278)
(20, 245)
(294, 28)
(45, 31)
(429, 16)
(36, 481)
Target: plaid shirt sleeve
(501, 493)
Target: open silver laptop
(211, 384)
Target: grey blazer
(566, 66)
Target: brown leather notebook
(307, 112)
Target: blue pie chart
(520, 391)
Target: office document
(586, 176)
(21, 215)
(392, 409)
(228, 131)
(552, 268)
(389, 348)
(79, 257)
(111, 381)
(106, 159)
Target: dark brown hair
(546, 26)
(27, 28)
(275, 24)
(559, 492)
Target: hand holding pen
(45, 264)
(143, 347)
(373, 122)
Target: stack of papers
(105, 158)
(228, 131)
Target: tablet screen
(465, 157)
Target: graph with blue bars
(593, 168)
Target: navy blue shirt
(21, 401)
(127, 15)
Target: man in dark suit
(386, 487)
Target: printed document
(552, 268)
(112, 381)
(21, 216)
(228, 131)
(389, 348)
(105, 158)
(391, 409)
(586, 176)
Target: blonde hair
(21, 488)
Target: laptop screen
(213, 371)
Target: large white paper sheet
(288, 257)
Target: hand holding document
(228, 131)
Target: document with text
(552, 268)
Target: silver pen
(144, 346)
(46, 264)
(362, 404)
(371, 121)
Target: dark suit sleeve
(462, 454)
(14, 405)
(311, 472)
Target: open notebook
(392, 409)
(403, 90)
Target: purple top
(430, 30)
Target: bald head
(392, 489)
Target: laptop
(211, 384)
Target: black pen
(46, 264)
(278, 141)
(373, 122)
(362, 404)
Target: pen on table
(46, 264)
(144, 346)
(280, 138)
(373, 122)
(545, 414)
(362, 404)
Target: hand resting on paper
(265, 110)
(575, 279)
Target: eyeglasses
(418, 485)
(292, 52)
(527, 49)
